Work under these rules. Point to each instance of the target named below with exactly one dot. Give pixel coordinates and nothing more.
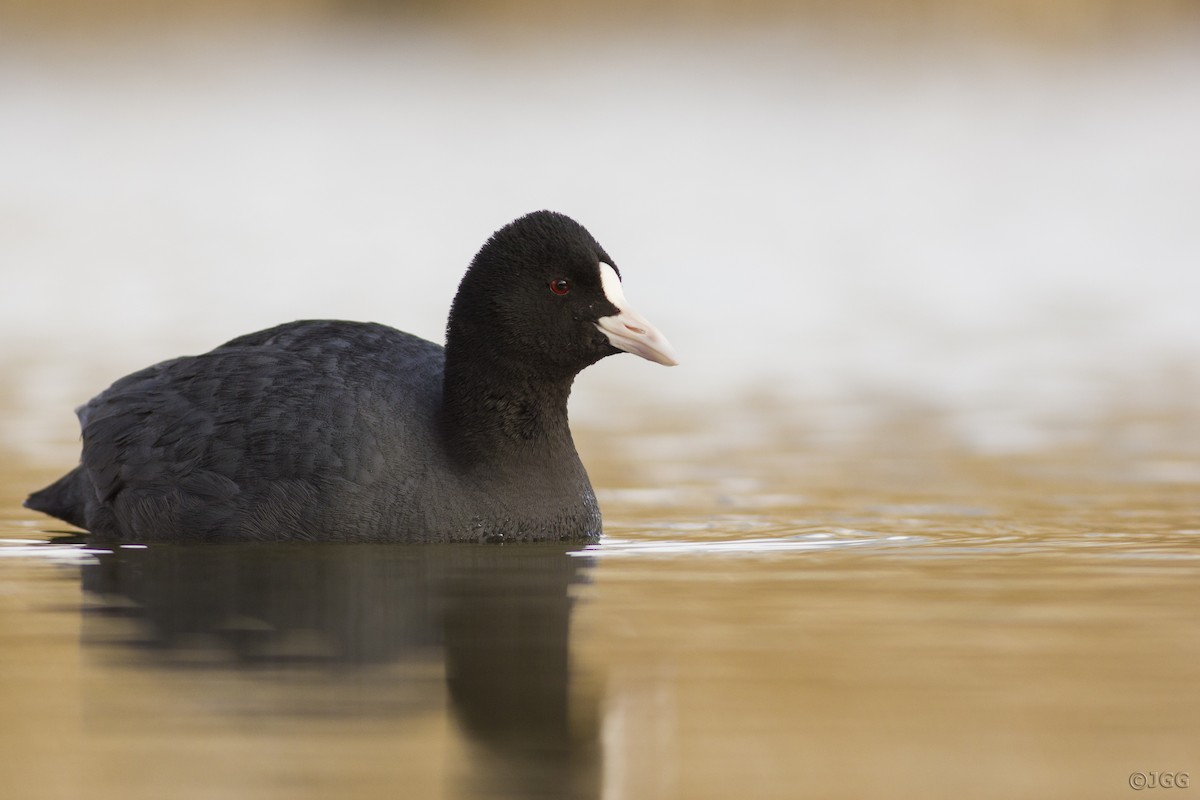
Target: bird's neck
(490, 407)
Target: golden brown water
(775, 613)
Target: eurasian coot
(344, 431)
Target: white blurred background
(1000, 222)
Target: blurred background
(984, 210)
(915, 517)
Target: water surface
(890, 617)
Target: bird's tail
(63, 499)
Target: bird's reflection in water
(384, 629)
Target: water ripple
(819, 541)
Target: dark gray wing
(254, 438)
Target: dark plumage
(356, 431)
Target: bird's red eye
(560, 286)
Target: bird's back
(299, 431)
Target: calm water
(886, 616)
(918, 516)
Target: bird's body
(343, 431)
